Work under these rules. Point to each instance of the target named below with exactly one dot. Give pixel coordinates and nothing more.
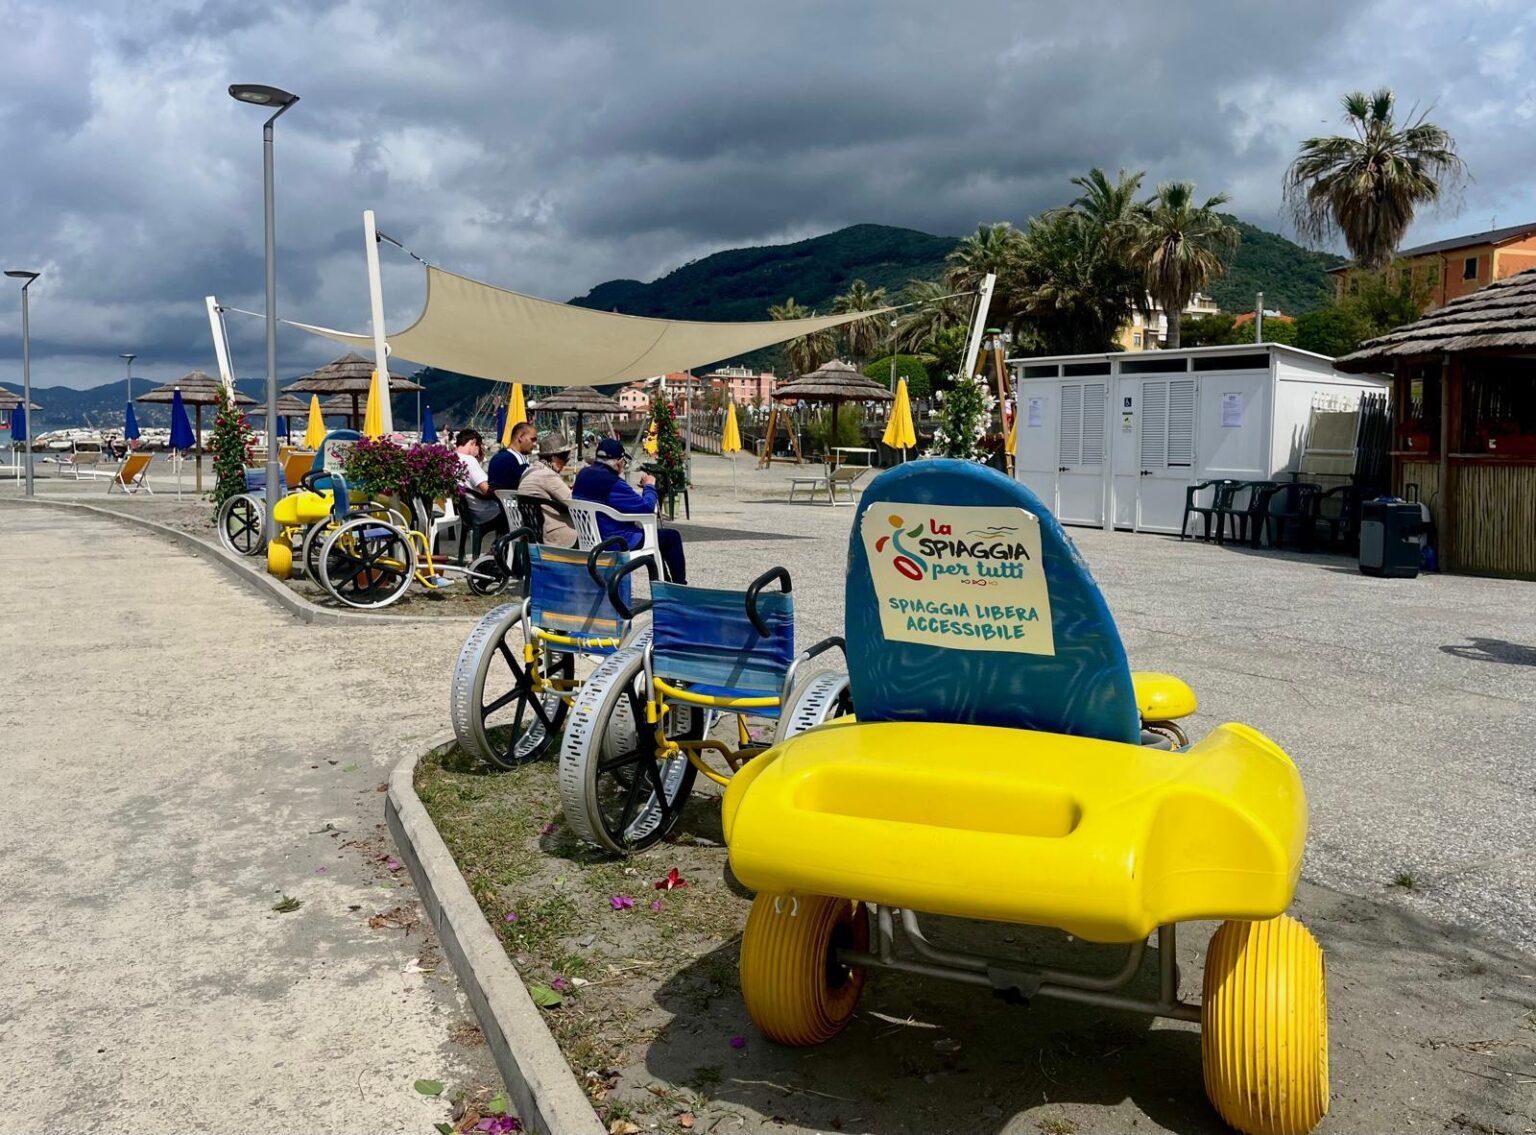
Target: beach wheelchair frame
(639, 734)
(1000, 770)
(509, 699)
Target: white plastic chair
(584, 516)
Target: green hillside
(1292, 278)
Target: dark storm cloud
(549, 146)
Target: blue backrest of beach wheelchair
(704, 634)
(563, 596)
(326, 456)
(1084, 689)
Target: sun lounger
(133, 474)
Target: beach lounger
(133, 474)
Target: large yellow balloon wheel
(796, 990)
(1264, 1027)
(280, 558)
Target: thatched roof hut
(1464, 422)
(581, 401)
(833, 382)
(350, 374)
(198, 388)
(9, 401)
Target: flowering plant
(965, 413)
(421, 472)
(232, 436)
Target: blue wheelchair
(640, 730)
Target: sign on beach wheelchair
(1000, 770)
(639, 733)
(510, 698)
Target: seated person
(543, 479)
(507, 467)
(603, 482)
(479, 502)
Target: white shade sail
(492, 333)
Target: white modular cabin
(1114, 440)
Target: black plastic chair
(1338, 515)
(472, 529)
(1238, 511)
(1205, 512)
(1291, 505)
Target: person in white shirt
(479, 502)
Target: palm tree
(1366, 187)
(992, 248)
(862, 336)
(1180, 247)
(931, 308)
(1110, 204)
(808, 352)
(1076, 289)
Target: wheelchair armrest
(757, 585)
(646, 562)
(823, 646)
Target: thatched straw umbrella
(581, 401)
(350, 375)
(9, 401)
(198, 389)
(835, 382)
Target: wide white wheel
(240, 522)
(818, 699)
(367, 563)
(496, 715)
(615, 791)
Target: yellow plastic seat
(1162, 697)
(302, 508)
(1104, 840)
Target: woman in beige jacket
(543, 479)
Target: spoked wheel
(240, 521)
(497, 716)
(819, 699)
(311, 546)
(615, 791)
(796, 990)
(1264, 1027)
(367, 563)
(488, 575)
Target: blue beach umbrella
(501, 422)
(19, 424)
(182, 436)
(428, 427)
(130, 424)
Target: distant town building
(635, 398)
(744, 386)
(1458, 266)
(1147, 334)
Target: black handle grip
(518, 566)
(612, 544)
(623, 608)
(825, 645)
(762, 581)
(308, 480)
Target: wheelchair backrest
(333, 451)
(705, 635)
(967, 603)
(564, 598)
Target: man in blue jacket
(603, 483)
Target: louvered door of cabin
(1166, 452)
(1080, 441)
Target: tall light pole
(26, 366)
(130, 358)
(259, 95)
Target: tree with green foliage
(1377, 303)
(909, 367)
(1077, 290)
(1223, 330)
(994, 248)
(808, 352)
(945, 355)
(864, 336)
(1334, 330)
(232, 436)
(1181, 246)
(671, 458)
(931, 307)
(1367, 186)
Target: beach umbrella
(1013, 436)
(350, 377)
(314, 432)
(581, 401)
(182, 436)
(428, 428)
(730, 440)
(19, 424)
(835, 382)
(501, 422)
(517, 411)
(196, 389)
(650, 439)
(373, 416)
(130, 424)
(900, 433)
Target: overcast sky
(549, 145)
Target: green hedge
(909, 367)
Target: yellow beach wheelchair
(640, 731)
(1001, 770)
(509, 699)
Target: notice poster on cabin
(1036, 417)
(1231, 409)
(959, 577)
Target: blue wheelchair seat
(704, 636)
(966, 603)
(564, 599)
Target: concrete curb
(548, 1097)
(260, 582)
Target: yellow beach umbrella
(314, 433)
(373, 416)
(900, 433)
(730, 437)
(1013, 436)
(650, 439)
(517, 411)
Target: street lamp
(281, 100)
(26, 366)
(130, 358)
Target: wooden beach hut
(1464, 423)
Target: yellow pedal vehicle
(1000, 769)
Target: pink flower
(622, 902)
(511, 916)
(559, 984)
(394, 865)
(738, 1042)
(549, 829)
(671, 882)
(655, 904)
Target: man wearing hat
(603, 483)
(543, 479)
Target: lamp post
(26, 367)
(259, 95)
(129, 358)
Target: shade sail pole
(220, 344)
(973, 348)
(376, 306)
